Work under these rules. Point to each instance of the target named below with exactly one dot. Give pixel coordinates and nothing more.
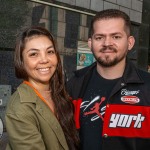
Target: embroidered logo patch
(127, 121)
(122, 120)
(130, 99)
(128, 92)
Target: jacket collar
(26, 93)
(130, 75)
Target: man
(111, 97)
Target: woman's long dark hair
(63, 105)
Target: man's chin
(107, 63)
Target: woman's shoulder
(20, 99)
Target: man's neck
(112, 72)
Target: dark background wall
(143, 59)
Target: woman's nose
(44, 59)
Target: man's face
(110, 42)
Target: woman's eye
(33, 54)
(51, 52)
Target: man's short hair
(108, 14)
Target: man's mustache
(108, 48)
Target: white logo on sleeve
(127, 92)
(1, 127)
(122, 120)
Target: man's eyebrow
(103, 34)
(99, 34)
(116, 33)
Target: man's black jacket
(127, 117)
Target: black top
(93, 110)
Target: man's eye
(98, 38)
(116, 37)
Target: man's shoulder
(75, 82)
(83, 71)
(144, 75)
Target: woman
(39, 115)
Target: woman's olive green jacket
(30, 124)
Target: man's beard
(107, 62)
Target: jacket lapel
(52, 121)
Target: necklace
(46, 95)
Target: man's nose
(107, 41)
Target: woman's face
(40, 60)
